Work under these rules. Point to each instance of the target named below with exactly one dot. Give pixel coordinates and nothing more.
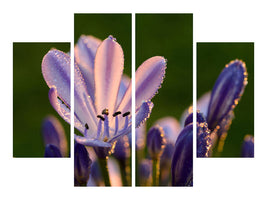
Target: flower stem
(156, 170)
(218, 148)
(104, 170)
(125, 173)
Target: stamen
(116, 113)
(85, 132)
(106, 127)
(86, 126)
(101, 117)
(126, 122)
(126, 114)
(105, 112)
(99, 127)
(116, 125)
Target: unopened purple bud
(145, 172)
(155, 141)
(226, 92)
(122, 149)
(82, 165)
(51, 151)
(203, 140)
(53, 133)
(165, 164)
(182, 161)
(248, 147)
(189, 119)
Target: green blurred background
(211, 59)
(170, 36)
(103, 25)
(30, 98)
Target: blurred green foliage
(30, 98)
(170, 36)
(211, 59)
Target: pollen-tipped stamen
(106, 123)
(99, 126)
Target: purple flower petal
(84, 52)
(62, 109)
(83, 104)
(125, 82)
(203, 103)
(56, 72)
(148, 79)
(203, 140)
(226, 92)
(108, 70)
(91, 142)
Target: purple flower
(248, 147)
(102, 96)
(53, 133)
(182, 161)
(217, 106)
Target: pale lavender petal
(125, 81)
(203, 103)
(62, 109)
(56, 72)
(91, 142)
(148, 79)
(108, 70)
(171, 128)
(143, 113)
(83, 104)
(84, 52)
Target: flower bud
(248, 147)
(226, 92)
(51, 151)
(82, 165)
(189, 118)
(182, 161)
(155, 141)
(53, 133)
(122, 148)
